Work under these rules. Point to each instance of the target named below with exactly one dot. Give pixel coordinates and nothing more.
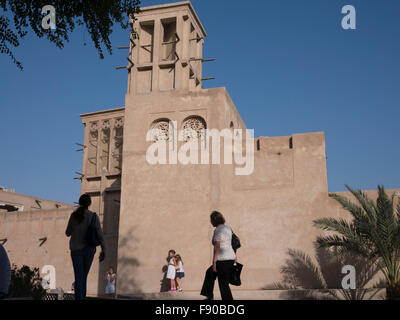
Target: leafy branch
(97, 16)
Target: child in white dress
(180, 273)
(171, 272)
(110, 287)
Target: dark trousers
(224, 272)
(81, 260)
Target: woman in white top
(223, 259)
(110, 287)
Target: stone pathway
(237, 295)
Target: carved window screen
(92, 148)
(118, 143)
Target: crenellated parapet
(287, 162)
(279, 145)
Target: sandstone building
(32, 231)
(148, 209)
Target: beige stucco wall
(23, 231)
(153, 208)
(162, 206)
(272, 210)
(168, 206)
(28, 203)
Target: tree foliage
(18, 17)
(26, 282)
(324, 279)
(372, 233)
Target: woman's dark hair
(178, 258)
(217, 218)
(170, 251)
(84, 204)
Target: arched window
(160, 130)
(194, 127)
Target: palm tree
(373, 233)
(323, 279)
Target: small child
(171, 272)
(110, 278)
(180, 273)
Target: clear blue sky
(288, 66)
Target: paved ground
(239, 295)
(195, 295)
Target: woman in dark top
(81, 253)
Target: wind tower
(166, 49)
(165, 85)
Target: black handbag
(92, 237)
(235, 242)
(235, 276)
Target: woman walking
(224, 258)
(81, 252)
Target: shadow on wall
(128, 283)
(111, 200)
(324, 281)
(164, 282)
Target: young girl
(171, 272)
(110, 287)
(180, 273)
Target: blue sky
(288, 66)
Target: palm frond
(345, 228)
(353, 209)
(299, 271)
(366, 202)
(344, 245)
(374, 234)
